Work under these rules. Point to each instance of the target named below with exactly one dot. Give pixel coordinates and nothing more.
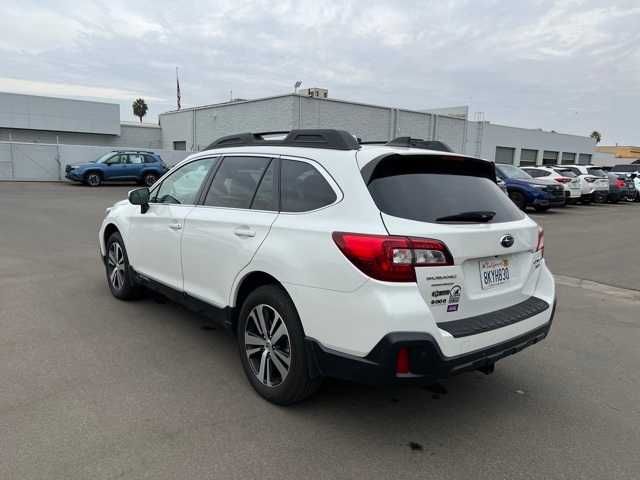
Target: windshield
(510, 171)
(102, 158)
(566, 173)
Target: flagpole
(177, 89)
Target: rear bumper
(426, 360)
(549, 202)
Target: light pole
(296, 86)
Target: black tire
(296, 385)
(122, 285)
(637, 197)
(149, 179)
(541, 209)
(93, 179)
(518, 199)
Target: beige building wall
(624, 151)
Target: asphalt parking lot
(95, 388)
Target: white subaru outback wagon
(377, 263)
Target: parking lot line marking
(602, 288)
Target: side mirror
(140, 196)
(634, 175)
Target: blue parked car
(525, 191)
(131, 165)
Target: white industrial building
(195, 128)
(29, 123)
(36, 119)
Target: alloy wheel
(149, 180)
(267, 345)
(115, 260)
(93, 180)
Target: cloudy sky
(567, 65)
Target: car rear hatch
(494, 261)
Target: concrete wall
(212, 122)
(37, 162)
(451, 131)
(129, 136)
(492, 136)
(141, 136)
(365, 121)
(58, 114)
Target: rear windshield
(427, 192)
(596, 172)
(509, 171)
(566, 172)
(625, 168)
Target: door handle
(244, 232)
(175, 226)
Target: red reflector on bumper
(402, 361)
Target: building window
(568, 158)
(528, 158)
(505, 155)
(180, 145)
(549, 158)
(584, 159)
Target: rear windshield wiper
(477, 216)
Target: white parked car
(569, 180)
(375, 263)
(593, 181)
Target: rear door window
(428, 189)
(266, 197)
(136, 158)
(303, 187)
(236, 182)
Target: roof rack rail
(131, 150)
(313, 138)
(420, 143)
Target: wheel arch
(109, 230)
(247, 284)
(153, 170)
(93, 170)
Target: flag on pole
(177, 88)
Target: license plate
(494, 272)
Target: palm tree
(597, 136)
(139, 108)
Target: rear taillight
(391, 258)
(563, 179)
(620, 183)
(540, 247)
